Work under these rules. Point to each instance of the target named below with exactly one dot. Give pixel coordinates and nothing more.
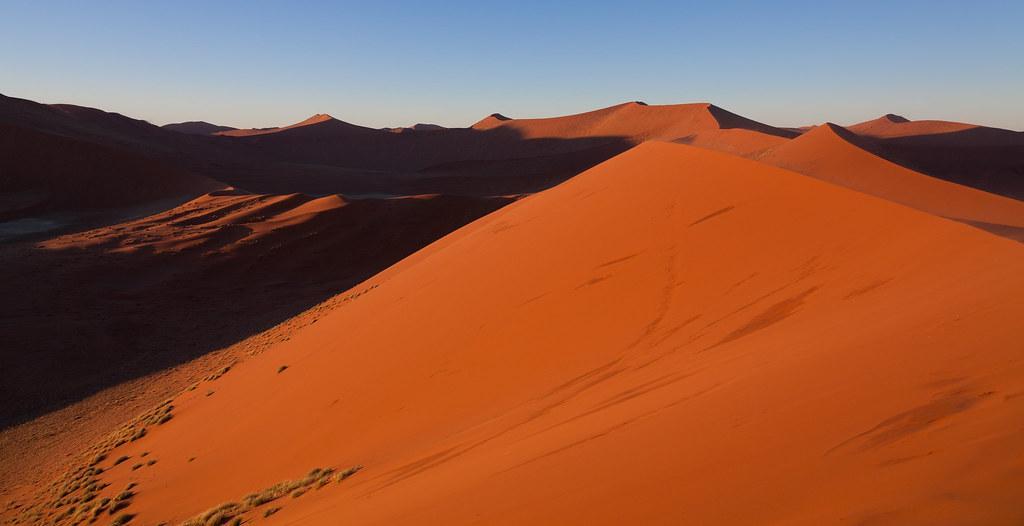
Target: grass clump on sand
(224, 370)
(281, 369)
(121, 459)
(123, 518)
(229, 511)
(348, 473)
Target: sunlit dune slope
(676, 336)
(831, 153)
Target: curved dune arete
(676, 336)
(831, 153)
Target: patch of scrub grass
(122, 519)
(224, 370)
(228, 511)
(281, 369)
(121, 459)
(119, 505)
(348, 473)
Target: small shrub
(271, 511)
(119, 505)
(123, 518)
(151, 462)
(348, 473)
(281, 369)
(121, 459)
(136, 466)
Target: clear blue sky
(257, 63)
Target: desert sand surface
(641, 314)
(197, 127)
(832, 153)
(674, 336)
(101, 306)
(991, 159)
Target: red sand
(320, 122)
(989, 159)
(676, 336)
(633, 120)
(60, 173)
(889, 126)
(830, 153)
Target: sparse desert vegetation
(229, 511)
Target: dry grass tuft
(231, 510)
(348, 473)
(123, 518)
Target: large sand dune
(831, 153)
(676, 336)
(991, 159)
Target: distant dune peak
(892, 117)
(490, 121)
(316, 119)
(196, 127)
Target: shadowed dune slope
(90, 310)
(196, 128)
(831, 153)
(675, 336)
(990, 159)
(44, 172)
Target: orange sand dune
(676, 336)
(634, 120)
(321, 123)
(831, 153)
(890, 125)
(990, 159)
